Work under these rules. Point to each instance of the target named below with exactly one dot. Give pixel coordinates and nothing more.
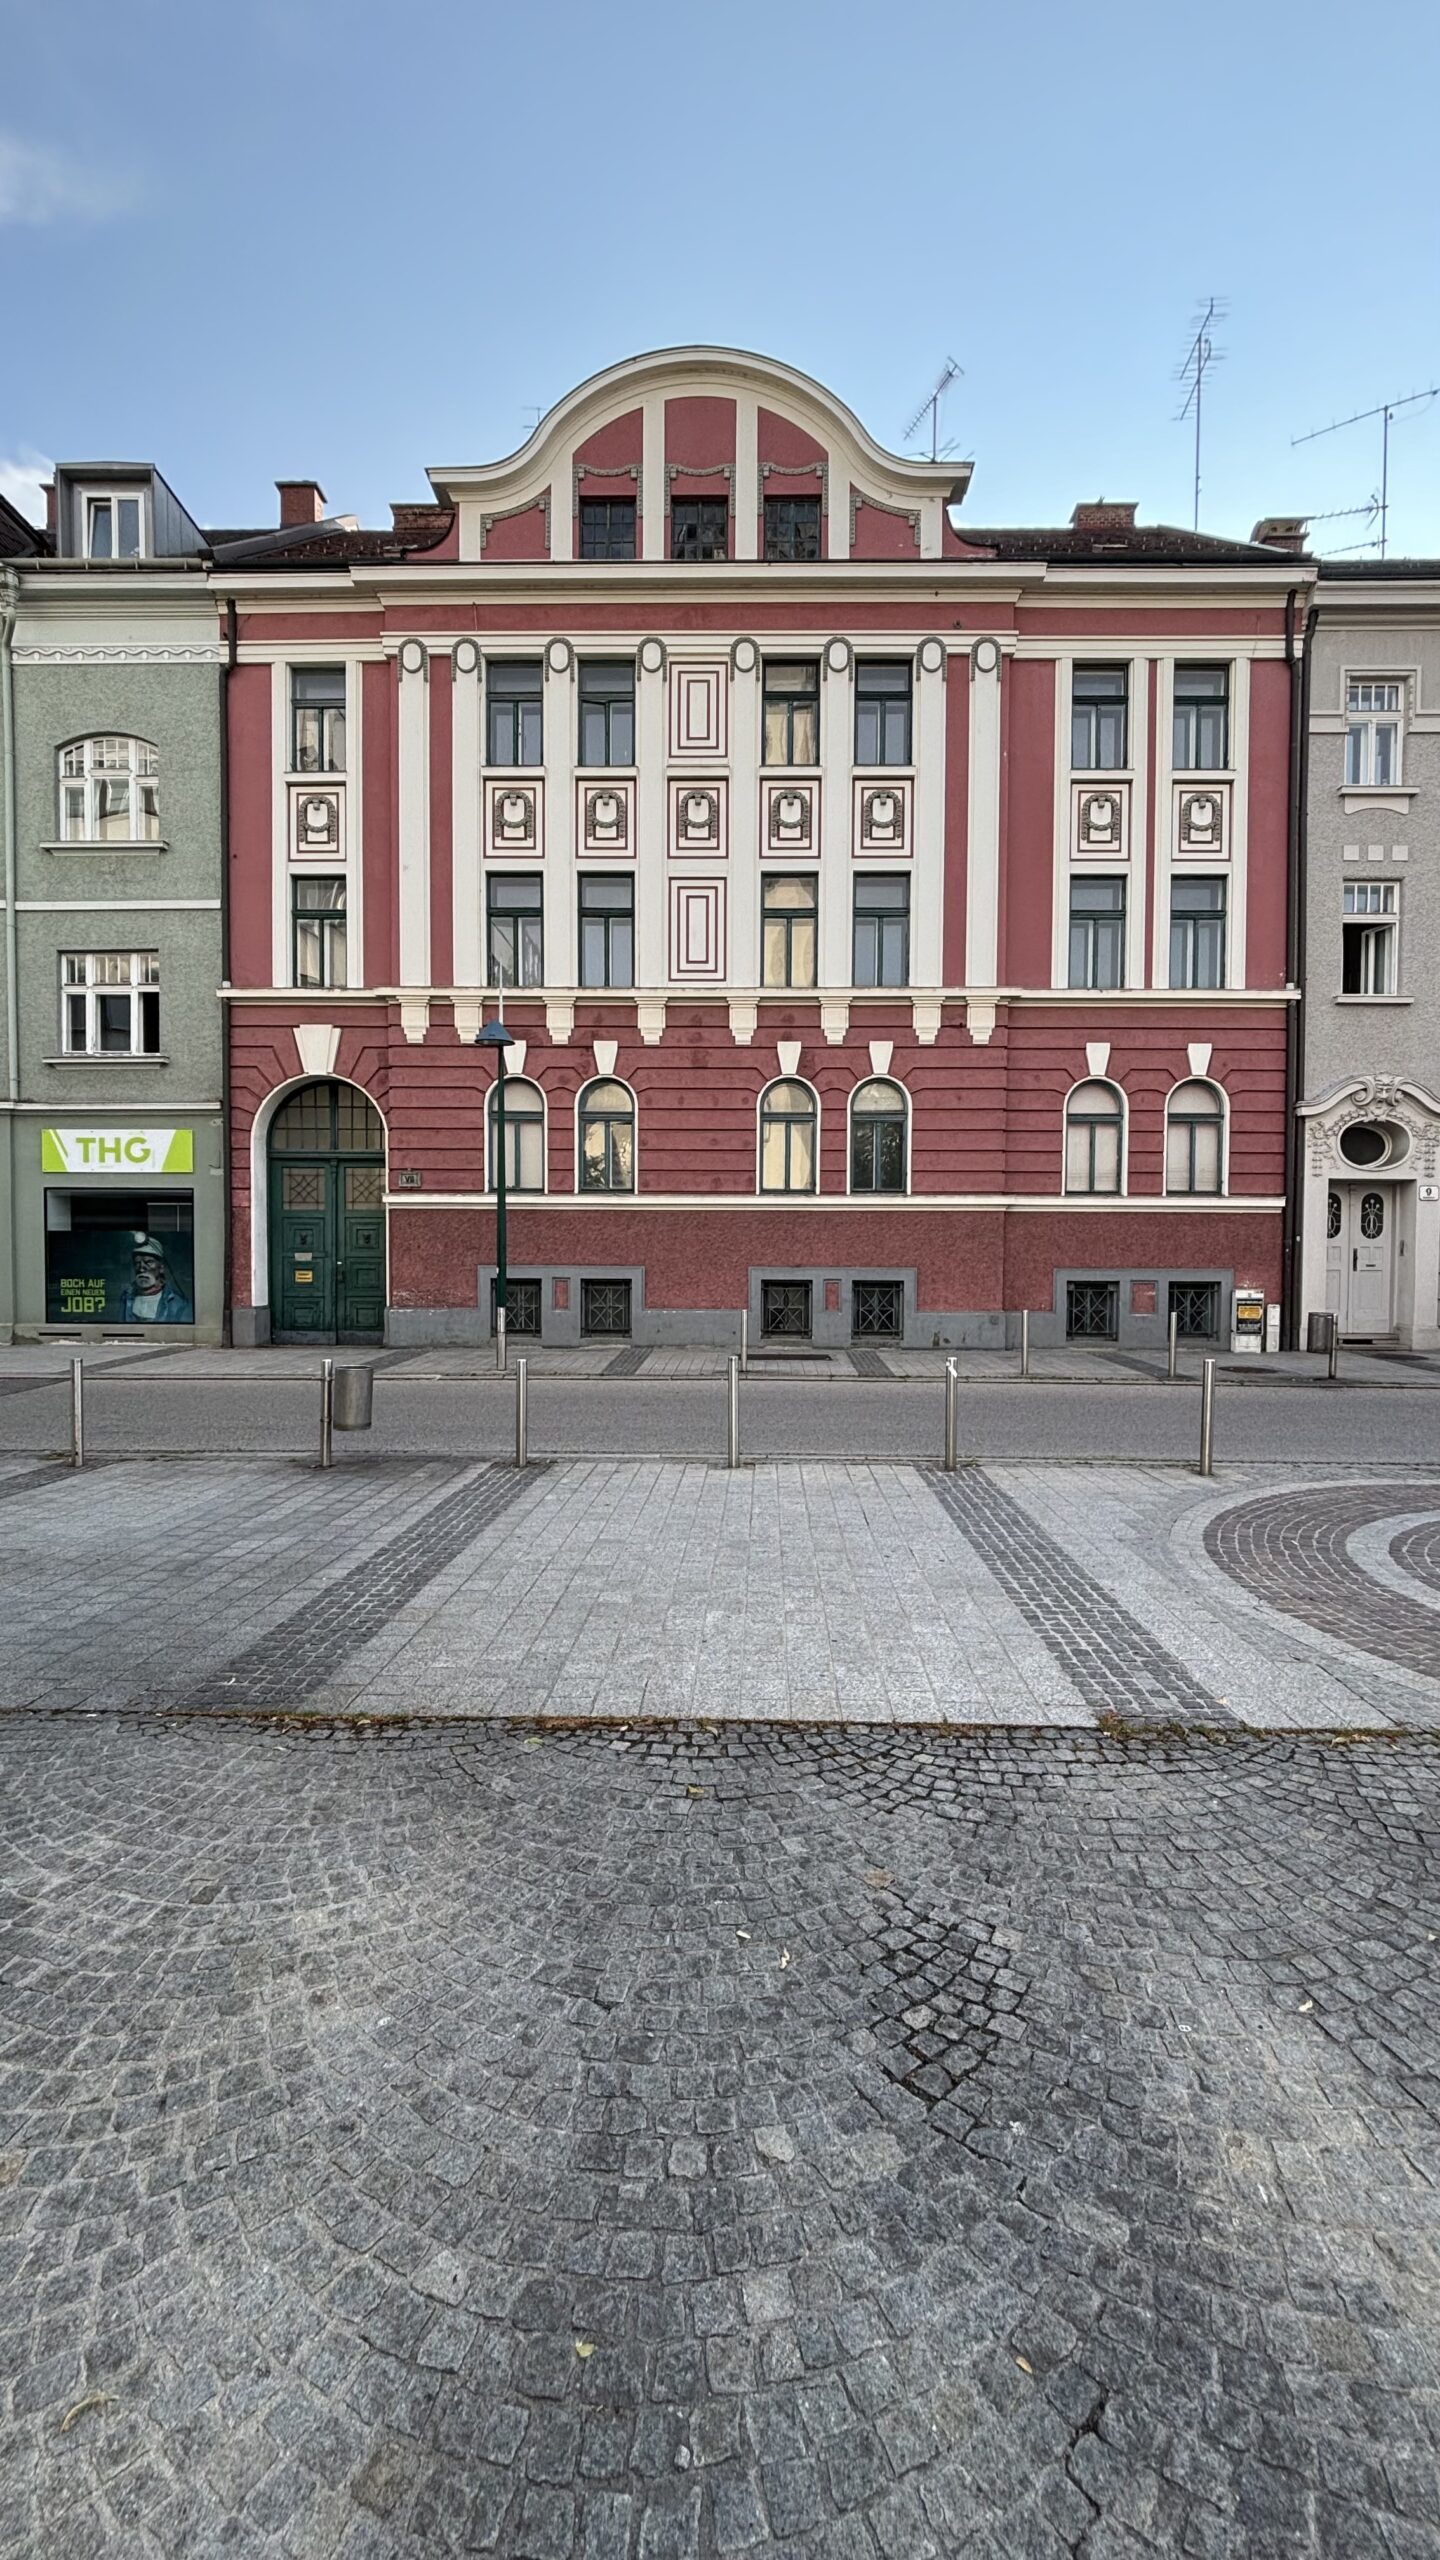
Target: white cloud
(20, 482)
(39, 185)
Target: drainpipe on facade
(1296, 852)
(226, 1275)
(9, 605)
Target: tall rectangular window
(882, 711)
(787, 913)
(1372, 734)
(792, 528)
(514, 711)
(317, 719)
(113, 528)
(607, 930)
(110, 1004)
(318, 913)
(1097, 930)
(792, 711)
(1201, 727)
(607, 711)
(1197, 933)
(1099, 719)
(882, 930)
(699, 528)
(607, 528)
(515, 949)
(1368, 933)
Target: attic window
(114, 526)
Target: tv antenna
(1199, 356)
(930, 406)
(1385, 410)
(1342, 515)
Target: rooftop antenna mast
(1384, 410)
(930, 407)
(1199, 356)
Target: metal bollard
(1207, 1418)
(1024, 1342)
(327, 1413)
(732, 1433)
(1333, 1366)
(500, 1344)
(952, 1417)
(522, 1414)
(744, 1342)
(1173, 1369)
(77, 1411)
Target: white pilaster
(744, 954)
(652, 897)
(747, 476)
(414, 814)
(982, 867)
(355, 970)
(1136, 919)
(927, 885)
(559, 863)
(280, 971)
(837, 888)
(838, 506)
(468, 869)
(562, 513)
(653, 509)
(1236, 964)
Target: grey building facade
(1367, 1188)
(112, 1189)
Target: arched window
(877, 1136)
(524, 1134)
(109, 792)
(787, 1136)
(1094, 1137)
(1195, 1138)
(607, 1137)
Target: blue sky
(349, 238)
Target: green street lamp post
(493, 1035)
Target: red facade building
(889, 912)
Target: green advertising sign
(117, 1150)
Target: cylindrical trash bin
(1319, 1329)
(354, 1396)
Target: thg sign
(117, 1150)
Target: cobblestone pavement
(829, 1593)
(828, 2146)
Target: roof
(328, 544)
(19, 538)
(1363, 572)
(1140, 545)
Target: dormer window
(114, 526)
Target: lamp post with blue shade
(493, 1035)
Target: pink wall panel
(525, 535)
(442, 918)
(1028, 832)
(699, 432)
(1266, 886)
(378, 854)
(251, 800)
(883, 534)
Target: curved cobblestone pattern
(1417, 1550)
(428, 2143)
(1292, 1551)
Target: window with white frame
(1195, 1138)
(110, 1004)
(1094, 1137)
(787, 1136)
(114, 525)
(1374, 708)
(524, 1135)
(109, 792)
(317, 719)
(1369, 935)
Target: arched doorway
(327, 1216)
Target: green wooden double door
(327, 1230)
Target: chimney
(1105, 515)
(1281, 533)
(301, 501)
(52, 508)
